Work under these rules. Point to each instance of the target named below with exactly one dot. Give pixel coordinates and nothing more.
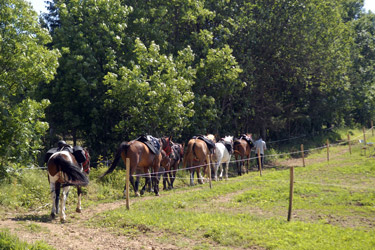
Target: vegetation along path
(334, 204)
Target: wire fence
(353, 140)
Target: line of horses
(199, 153)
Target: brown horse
(175, 158)
(197, 154)
(242, 151)
(64, 170)
(141, 158)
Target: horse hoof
(62, 220)
(137, 194)
(157, 194)
(142, 192)
(78, 210)
(53, 216)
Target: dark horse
(197, 154)
(141, 158)
(242, 150)
(64, 171)
(175, 158)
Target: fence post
(327, 150)
(303, 155)
(364, 140)
(291, 193)
(260, 162)
(350, 147)
(127, 182)
(209, 173)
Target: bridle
(86, 164)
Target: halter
(86, 164)
(167, 148)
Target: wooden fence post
(327, 150)
(364, 140)
(291, 193)
(303, 155)
(350, 147)
(127, 182)
(209, 174)
(260, 162)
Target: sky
(39, 5)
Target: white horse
(222, 154)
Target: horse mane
(75, 176)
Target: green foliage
(11, 242)
(25, 61)
(25, 189)
(156, 89)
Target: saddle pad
(49, 153)
(79, 154)
(151, 142)
(210, 144)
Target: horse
(242, 150)
(141, 158)
(64, 170)
(222, 155)
(175, 157)
(197, 154)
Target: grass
(333, 206)
(11, 242)
(334, 203)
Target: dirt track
(74, 234)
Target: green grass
(11, 242)
(333, 205)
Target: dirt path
(74, 234)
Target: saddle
(228, 145)
(77, 151)
(247, 139)
(151, 142)
(210, 144)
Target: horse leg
(173, 177)
(155, 183)
(63, 198)
(169, 177)
(221, 171)
(79, 194)
(192, 177)
(226, 170)
(238, 164)
(199, 176)
(55, 195)
(165, 181)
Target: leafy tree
(294, 55)
(91, 36)
(25, 62)
(153, 95)
(362, 74)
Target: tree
(25, 62)
(93, 41)
(153, 95)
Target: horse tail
(75, 176)
(123, 148)
(186, 154)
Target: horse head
(166, 144)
